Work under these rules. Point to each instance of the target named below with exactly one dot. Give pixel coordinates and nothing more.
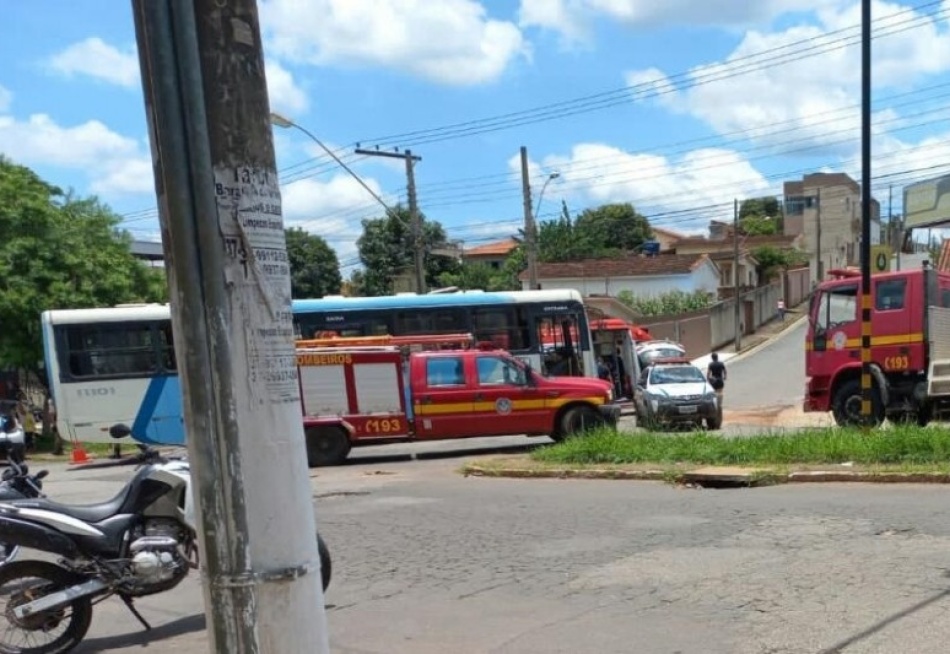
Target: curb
(768, 341)
(757, 477)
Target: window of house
(445, 371)
(889, 294)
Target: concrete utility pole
(530, 231)
(414, 218)
(223, 234)
(737, 316)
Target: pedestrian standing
(716, 375)
(780, 309)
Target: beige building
(831, 203)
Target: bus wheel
(327, 446)
(580, 418)
(846, 405)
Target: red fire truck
(910, 346)
(359, 392)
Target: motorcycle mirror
(42, 474)
(119, 431)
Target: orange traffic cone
(79, 454)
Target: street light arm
(280, 121)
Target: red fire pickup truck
(356, 396)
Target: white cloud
(711, 178)
(96, 58)
(449, 41)
(313, 200)
(115, 164)
(650, 83)
(807, 100)
(284, 94)
(6, 98)
(571, 17)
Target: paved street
(772, 376)
(427, 561)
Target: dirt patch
(787, 417)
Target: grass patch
(896, 446)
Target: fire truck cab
(909, 345)
(370, 391)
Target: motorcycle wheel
(21, 636)
(8, 552)
(326, 563)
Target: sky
(679, 107)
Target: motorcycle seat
(85, 512)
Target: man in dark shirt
(716, 375)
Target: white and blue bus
(118, 364)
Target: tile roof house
(642, 275)
(666, 238)
(492, 254)
(721, 250)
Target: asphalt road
(770, 377)
(426, 561)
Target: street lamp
(282, 121)
(552, 176)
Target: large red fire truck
(367, 391)
(910, 346)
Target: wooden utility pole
(229, 284)
(415, 222)
(530, 231)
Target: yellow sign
(880, 258)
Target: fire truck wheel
(579, 418)
(327, 446)
(846, 406)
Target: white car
(650, 351)
(675, 392)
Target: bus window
(167, 347)
(110, 351)
(412, 322)
(505, 328)
(559, 335)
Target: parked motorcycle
(141, 542)
(17, 483)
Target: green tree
(59, 252)
(482, 276)
(614, 226)
(771, 260)
(762, 215)
(560, 239)
(604, 231)
(314, 268)
(386, 250)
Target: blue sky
(677, 106)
